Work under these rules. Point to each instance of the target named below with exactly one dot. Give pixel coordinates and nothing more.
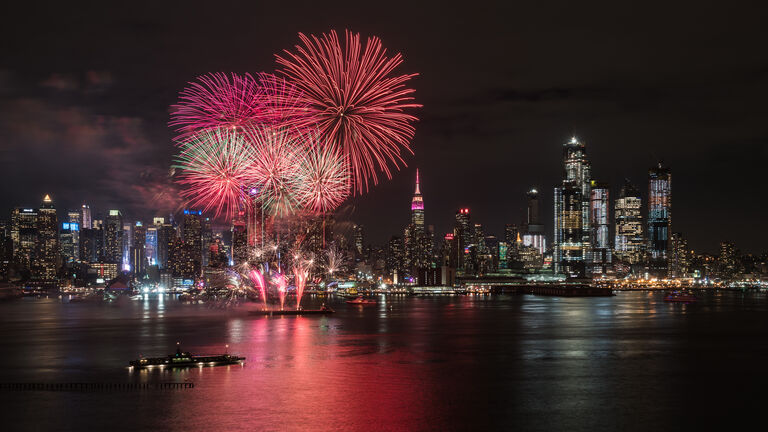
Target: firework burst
(215, 170)
(275, 167)
(219, 100)
(353, 101)
(323, 179)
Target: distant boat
(362, 301)
(185, 359)
(680, 297)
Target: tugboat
(185, 359)
(361, 301)
(680, 297)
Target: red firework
(218, 100)
(284, 104)
(353, 101)
(274, 171)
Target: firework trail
(258, 281)
(215, 170)
(353, 101)
(282, 288)
(324, 179)
(219, 100)
(301, 267)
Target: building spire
(417, 182)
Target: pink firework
(323, 179)
(218, 100)
(353, 101)
(215, 170)
(258, 279)
(275, 167)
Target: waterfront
(443, 363)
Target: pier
(95, 387)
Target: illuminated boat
(185, 359)
(362, 301)
(680, 297)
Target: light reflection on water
(405, 364)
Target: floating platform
(291, 312)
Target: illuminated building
(659, 219)
(510, 234)
(727, 264)
(150, 246)
(629, 244)
(6, 249)
(679, 258)
(358, 239)
(24, 236)
(534, 230)
(75, 217)
(113, 237)
(138, 257)
(239, 240)
(572, 211)
(396, 259)
(418, 244)
(417, 208)
(165, 236)
(85, 217)
(180, 259)
(103, 272)
(207, 238)
(69, 236)
(463, 233)
(599, 237)
(46, 260)
(192, 234)
(127, 244)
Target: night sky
(85, 90)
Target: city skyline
(496, 121)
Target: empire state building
(417, 209)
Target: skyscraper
(113, 237)
(534, 230)
(75, 224)
(629, 241)
(417, 208)
(192, 235)
(418, 245)
(679, 259)
(85, 217)
(47, 246)
(599, 236)
(659, 219)
(24, 236)
(239, 240)
(571, 231)
(463, 234)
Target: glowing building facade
(47, 246)
(659, 219)
(571, 232)
(629, 242)
(534, 230)
(599, 231)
